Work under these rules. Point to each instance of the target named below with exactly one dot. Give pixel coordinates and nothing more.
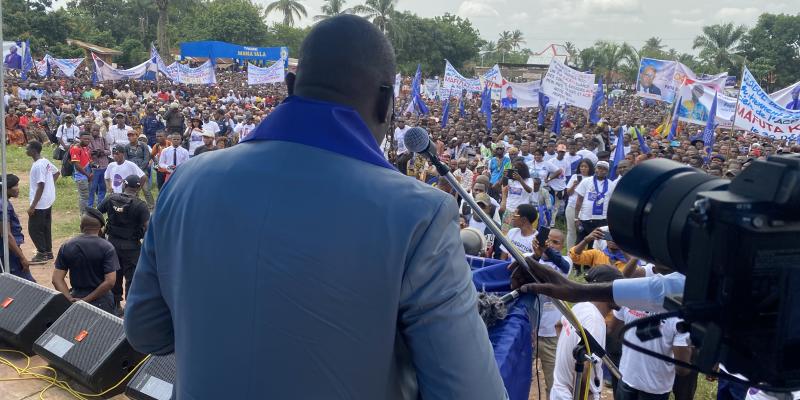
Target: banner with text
(520, 95)
(201, 75)
(495, 80)
(456, 81)
(272, 74)
(564, 85)
(760, 114)
(67, 65)
(696, 99)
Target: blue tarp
(511, 338)
(215, 49)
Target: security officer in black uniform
(127, 221)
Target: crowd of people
(549, 192)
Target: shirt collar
(327, 126)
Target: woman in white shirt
(194, 134)
(517, 189)
(585, 170)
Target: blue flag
(557, 121)
(673, 128)
(597, 100)
(486, 106)
(461, 111)
(642, 143)
(416, 100)
(610, 102)
(445, 111)
(543, 100)
(619, 154)
(708, 132)
(27, 60)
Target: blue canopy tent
(241, 54)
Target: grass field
(66, 221)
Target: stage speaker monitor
(154, 380)
(89, 345)
(27, 309)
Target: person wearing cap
(592, 201)
(137, 152)
(42, 195)
(127, 222)
(591, 316)
(91, 262)
(119, 169)
(118, 133)
(208, 143)
(18, 263)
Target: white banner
(696, 99)
(564, 85)
(788, 97)
(456, 81)
(495, 80)
(272, 74)
(661, 79)
(259, 76)
(201, 75)
(759, 114)
(67, 65)
(520, 95)
(107, 73)
(430, 89)
(398, 81)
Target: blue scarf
(597, 204)
(328, 126)
(615, 256)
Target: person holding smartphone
(585, 170)
(517, 189)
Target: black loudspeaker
(154, 380)
(89, 345)
(27, 310)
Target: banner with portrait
(494, 79)
(520, 95)
(654, 80)
(788, 97)
(696, 99)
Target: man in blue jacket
(381, 306)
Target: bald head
(346, 60)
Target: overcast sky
(583, 22)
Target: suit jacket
(332, 279)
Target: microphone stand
(444, 171)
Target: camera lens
(648, 211)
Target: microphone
(417, 140)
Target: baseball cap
(207, 134)
(578, 136)
(561, 147)
(603, 273)
(118, 149)
(603, 164)
(119, 114)
(132, 181)
(483, 198)
(11, 180)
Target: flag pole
(4, 189)
(738, 95)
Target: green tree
(572, 51)
(613, 58)
(653, 48)
(234, 21)
(719, 46)
(488, 50)
(289, 36)
(133, 53)
(505, 43)
(378, 11)
(775, 41)
(517, 39)
(291, 10)
(332, 8)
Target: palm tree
(611, 57)
(652, 48)
(504, 43)
(378, 11)
(719, 45)
(332, 8)
(572, 51)
(291, 10)
(488, 49)
(517, 39)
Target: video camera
(738, 244)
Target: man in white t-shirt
(403, 155)
(592, 201)
(243, 129)
(549, 255)
(592, 317)
(42, 195)
(67, 133)
(644, 377)
(118, 133)
(210, 125)
(120, 169)
(523, 233)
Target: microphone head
(417, 140)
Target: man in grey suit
(380, 305)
